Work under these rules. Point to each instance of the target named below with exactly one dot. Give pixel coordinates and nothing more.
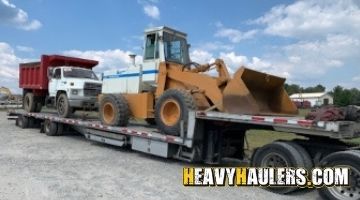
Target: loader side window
(151, 47)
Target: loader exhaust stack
(257, 93)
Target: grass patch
(258, 138)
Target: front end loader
(179, 85)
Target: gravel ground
(35, 166)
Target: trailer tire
(114, 110)
(50, 128)
(62, 105)
(171, 108)
(23, 122)
(277, 154)
(60, 129)
(349, 158)
(29, 102)
(308, 163)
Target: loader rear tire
(29, 102)
(114, 110)
(171, 109)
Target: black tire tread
(67, 109)
(291, 152)
(121, 104)
(188, 103)
(32, 102)
(349, 156)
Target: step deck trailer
(212, 137)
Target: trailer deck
(212, 137)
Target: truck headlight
(74, 92)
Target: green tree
(344, 97)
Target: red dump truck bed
(34, 75)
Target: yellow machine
(167, 85)
(5, 94)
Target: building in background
(315, 99)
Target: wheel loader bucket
(257, 93)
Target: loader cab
(164, 44)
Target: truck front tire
(62, 105)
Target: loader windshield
(176, 48)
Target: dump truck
(67, 83)
(168, 84)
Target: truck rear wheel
(62, 105)
(171, 109)
(39, 104)
(278, 154)
(114, 110)
(29, 102)
(349, 159)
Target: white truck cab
(72, 88)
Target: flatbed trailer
(212, 137)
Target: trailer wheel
(114, 110)
(277, 154)
(349, 159)
(50, 128)
(308, 163)
(60, 129)
(23, 122)
(29, 102)
(171, 108)
(62, 105)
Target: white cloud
(108, 59)
(312, 18)
(152, 11)
(24, 48)
(9, 67)
(324, 36)
(234, 35)
(201, 56)
(11, 15)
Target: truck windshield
(176, 48)
(79, 73)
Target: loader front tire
(171, 109)
(114, 110)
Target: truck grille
(92, 89)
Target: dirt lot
(35, 166)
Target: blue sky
(309, 42)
